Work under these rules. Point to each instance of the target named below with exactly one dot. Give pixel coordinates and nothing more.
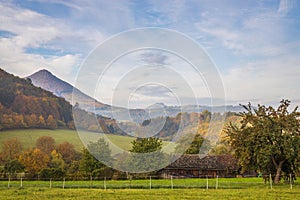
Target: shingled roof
(193, 161)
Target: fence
(150, 182)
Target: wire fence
(150, 182)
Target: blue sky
(254, 44)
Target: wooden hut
(191, 165)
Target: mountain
(48, 81)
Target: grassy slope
(28, 137)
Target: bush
(54, 173)
(103, 172)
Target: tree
(67, 152)
(46, 144)
(146, 145)
(41, 122)
(267, 139)
(101, 151)
(51, 122)
(146, 155)
(56, 160)
(11, 149)
(13, 166)
(88, 162)
(188, 146)
(52, 173)
(34, 160)
(96, 156)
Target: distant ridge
(50, 82)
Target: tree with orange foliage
(11, 149)
(34, 160)
(68, 152)
(46, 144)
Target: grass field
(213, 183)
(157, 194)
(33, 190)
(28, 137)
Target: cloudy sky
(255, 46)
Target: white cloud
(254, 43)
(265, 81)
(35, 30)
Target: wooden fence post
(64, 182)
(270, 180)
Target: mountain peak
(57, 86)
(50, 82)
(159, 105)
(42, 72)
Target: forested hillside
(22, 105)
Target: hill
(22, 105)
(28, 137)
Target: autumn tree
(56, 160)
(267, 139)
(34, 160)
(68, 152)
(46, 144)
(11, 149)
(51, 122)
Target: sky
(253, 44)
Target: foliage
(34, 160)
(105, 172)
(52, 173)
(13, 166)
(188, 145)
(88, 163)
(146, 145)
(146, 155)
(22, 105)
(267, 139)
(46, 144)
(11, 149)
(101, 151)
(56, 160)
(68, 152)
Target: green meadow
(28, 138)
(86, 190)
